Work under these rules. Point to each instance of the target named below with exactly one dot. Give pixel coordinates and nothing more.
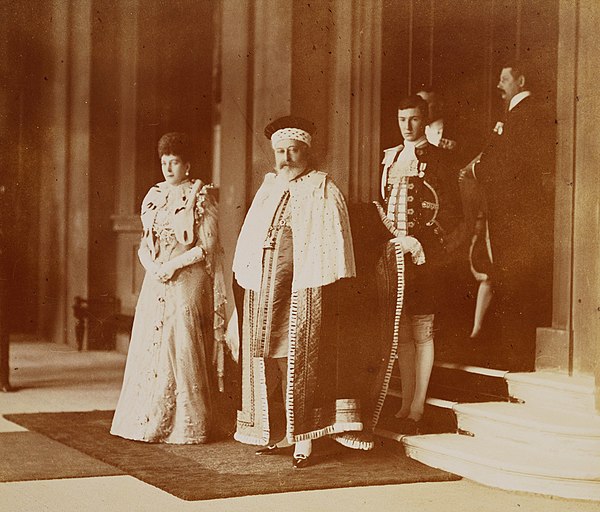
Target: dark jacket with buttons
(433, 217)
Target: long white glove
(146, 260)
(168, 268)
(411, 245)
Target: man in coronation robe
(294, 246)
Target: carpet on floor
(31, 456)
(226, 468)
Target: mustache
(287, 164)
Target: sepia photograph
(299, 255)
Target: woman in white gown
(175, 359)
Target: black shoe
(272, 449)
(301, 461)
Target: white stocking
(415, 361)
(423, 335)
(303, 447)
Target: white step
(434, 402)
(388, 434)
(545, 428)
(479, 370)
(553, 390)
(511, 466)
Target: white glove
(165, 271)
(411, 245)
(151, 266)
(168, 268)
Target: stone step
(522, 423)
(450, 382)
(512, 466)
(463, 383)
(467, 383)
(438, 417)
(557, 391)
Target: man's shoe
(301, 461)
(272, 449)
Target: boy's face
(412, 123)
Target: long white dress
(176, 344)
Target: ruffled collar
(163, 192)
(179, 201)
(176, 193)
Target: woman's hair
(175, 143)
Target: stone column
(55, 305)
(126, 223)
(233, 146)
(52, 229)
(571, 344)
(586, 194)
(355, 94)
(78, 158)
(4, 127)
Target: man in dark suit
(511, 172)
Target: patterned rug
(226, 468)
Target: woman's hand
(152, 269)
(164, 272)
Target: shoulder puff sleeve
(153, 200)
(207, 214)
